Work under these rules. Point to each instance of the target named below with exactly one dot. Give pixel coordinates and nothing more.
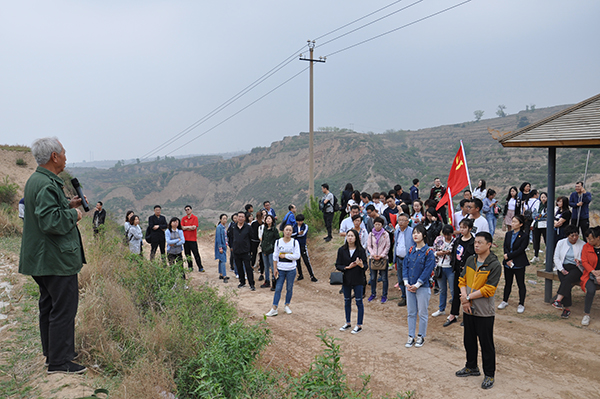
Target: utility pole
(311, 178)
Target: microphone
(77, 188)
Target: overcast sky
(115, 79)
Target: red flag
(458, 177)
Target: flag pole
(450, 206)
(462, 147)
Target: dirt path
(539, 355)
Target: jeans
(384, 278)
(491, 219)
(590, 292)
(418, 302)
(446, 280)
(358, 297)
(289, 276)
(399, 262)
(223, 268)
(268, 261)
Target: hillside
(372, 162)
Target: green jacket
(51, 244)
(268, 240)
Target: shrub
(21, 162)
(10, 225)
(8, 191)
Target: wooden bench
(553, 275)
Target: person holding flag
(458, 179)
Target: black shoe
(273, 286)
(565, 314)
(467, 372)
(462, 323)
(487, 383)
(300, 277)
(240, 285)
(448, 322)
(261, 278)
(341, 291)
(220, 277)
(402, 302)
(225, 279)
(313, 279)
(252, 288)
(67, 368)
(328, 239)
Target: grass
(19, 148)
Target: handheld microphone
(77, 188)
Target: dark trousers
(253, 251)
(537, 236)
(481, 328)
(443, 214)
(191, 247)
(455, 308)
(328, 218)
(59, 297)
(242, 263)
(304, 257)
(358, 298)
(231, 263)
(584, 225)
(519, 274)
(590, 292)
(157, 244)
(566, 283)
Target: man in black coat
(242, 233)
(157, 224)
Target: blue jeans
(223, 268)
(268, 261)
(399, 262)
(289, 276)
(446, 280)
(384, 278)
(418, 303)
(358, 297)
(491, 219)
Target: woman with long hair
(433, 226)
(352, 262)
(524, 195)
(416, 271)
(443, 255)
(346, 196)
(354, 200)
(269, 236)
(562, 217)
(221, 247)
(540, 222)
(480, 192)
(490, 205)
(285, 256)
(515, 261)
(134, 234)
(175, 241)
(512, 207)
(417, 215)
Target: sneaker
(402, 302)
(345, 327)
(535, 259)
(220, 277)
(261, 278)
(586, 320)
(520, 309)
(225, 279)
(436, 291)
(271, 313)
(67, 368)
(252, 288)
(448, 322)
(356, 330)
(565, 313)
(287, 310)
(410, 342)
(300, 277)
(201, 270)
(487, 383)
(467, 372)
(502, 305)
(328, 239)
(313, 279)
(240, 285)
(273, 286)
(371, 297)
(557, 305)
(383, 299)
(266, 284)
(438, 313)
(420, 341)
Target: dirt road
(539, 355)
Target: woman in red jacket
(590, 280)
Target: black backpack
(336, 204)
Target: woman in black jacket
(515, 261)
(433, 224)
(352, 261)
(346, 195)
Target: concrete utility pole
(311, 178)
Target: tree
(500, 111)
(522, 122)
(532, 107)
(478, 115)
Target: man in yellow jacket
(477, 284)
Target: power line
(401, 27)
(247, 106)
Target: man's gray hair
(43, 148)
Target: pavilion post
(550, 232)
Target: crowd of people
(429, 250)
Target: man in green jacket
(52, 253)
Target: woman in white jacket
(567, 262)
(285, 255)
(134, 235)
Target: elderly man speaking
(52, 253)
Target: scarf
(377, 235)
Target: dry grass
(19, 148)
(10, 224)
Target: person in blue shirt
(414, 190)
(290, 217)
(579, 201)
(300, 234)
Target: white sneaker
(420, 341)
(287, 310)
(438, 313)
(586, 320)
(535, 259)
(502, 305)
(345, 327)
(271, 313)
(410, 342)
(520, 309)
(541, 251)
(356, 330)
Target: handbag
(336, 278)
(379, 264)
(437, 272)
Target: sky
(118, 79)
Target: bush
(10, 225)
(21, 162)
(8, 191)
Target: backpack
(283, 223)
(336, 205)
